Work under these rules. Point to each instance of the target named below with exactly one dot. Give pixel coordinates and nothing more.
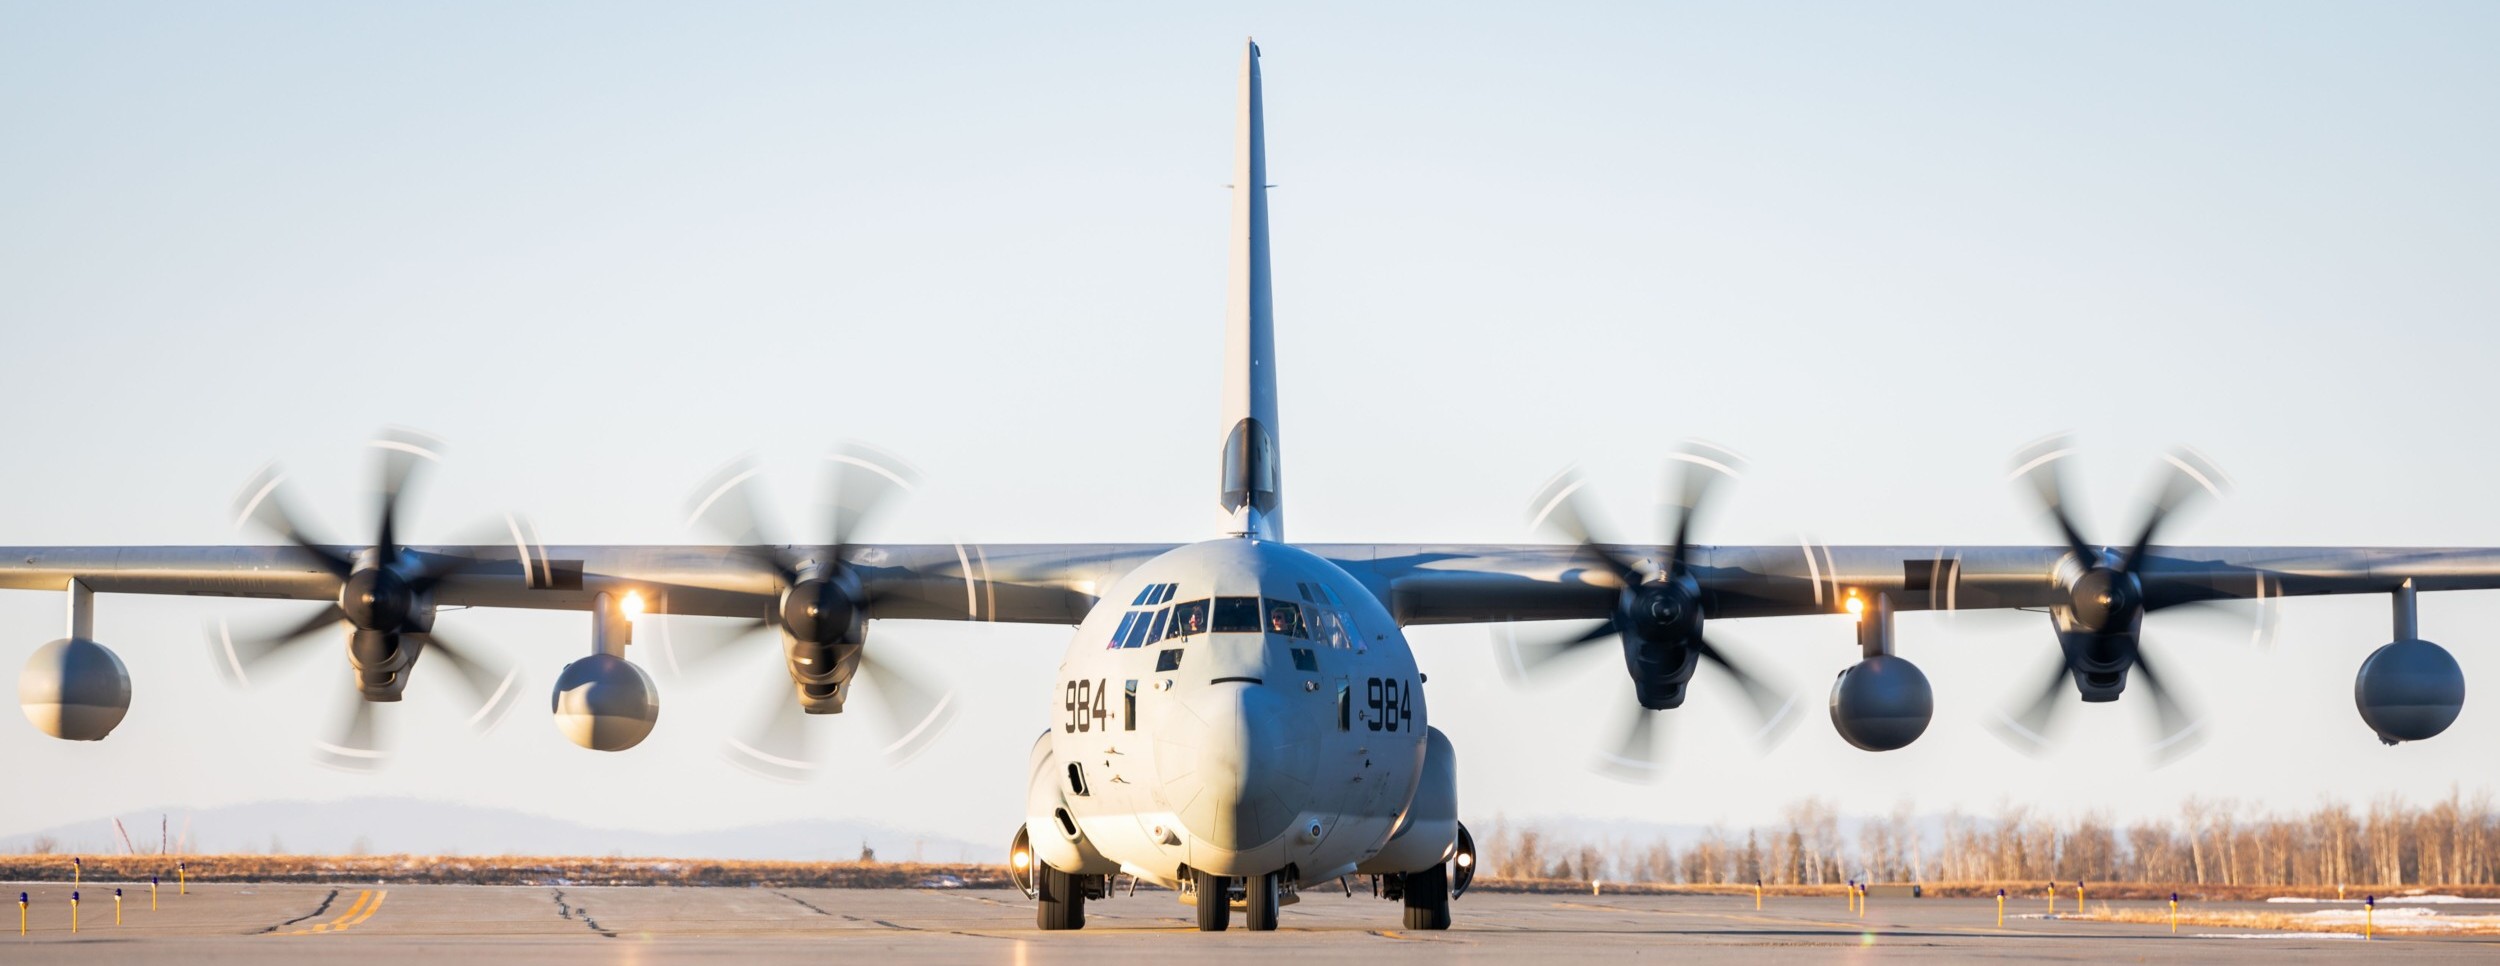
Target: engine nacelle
(605, 703)
(1882, 703)
(74, 689)
(2409, 691)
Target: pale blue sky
(603, 247)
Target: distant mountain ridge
(420, 827)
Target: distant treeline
(2455, 841)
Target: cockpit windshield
(1237, 615)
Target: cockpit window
(1331, 631)
(1237, 615)
(1137, 630)
(1188, 619)
(1285, 617)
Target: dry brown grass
(496, 870)
(2388, 922)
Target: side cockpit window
(1285, 617)
(1188, 619)
(1237, 615)
(1137, 629)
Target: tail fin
(1253, 493)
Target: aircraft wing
(1457, 584)
(1017, 583)
(1420, 583)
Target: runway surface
(384, 925)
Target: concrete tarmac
(375, 925)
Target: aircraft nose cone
(1236, 769)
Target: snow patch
(2422, 900)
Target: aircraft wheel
(1259, 907)
(1063, 904)
(1215, 904)
(1428, 898)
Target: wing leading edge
(1421, 583)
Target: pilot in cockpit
(1284, 618)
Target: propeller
(2099, 628)
(822, 613)
(1657, 620)
(385, 600)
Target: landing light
(1465, 860)
(633, 604)
(1021, 860)
(1855, 604)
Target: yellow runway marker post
(77, 869)
(2078, 897)
(73, 913)
(2000, 908)
(1862, 901)
(182, 877)
(1757, 895)
(2174, 912)
(151, 893)
(2369, 916)
(117, 905)
(21, 914)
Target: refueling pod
(2409, 690)
(74, 689)
(1882, 703)
(605, 703)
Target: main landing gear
(1062, 897)
(1427, 898)
(1260, 895)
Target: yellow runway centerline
(367, 903)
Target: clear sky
(603, 247)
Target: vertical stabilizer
(1253, 493)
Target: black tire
(1063, 903)
(1215, 904)
(1428, 898)
(1258, 910)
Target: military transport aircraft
(1239, 718)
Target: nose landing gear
(1258, 907)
